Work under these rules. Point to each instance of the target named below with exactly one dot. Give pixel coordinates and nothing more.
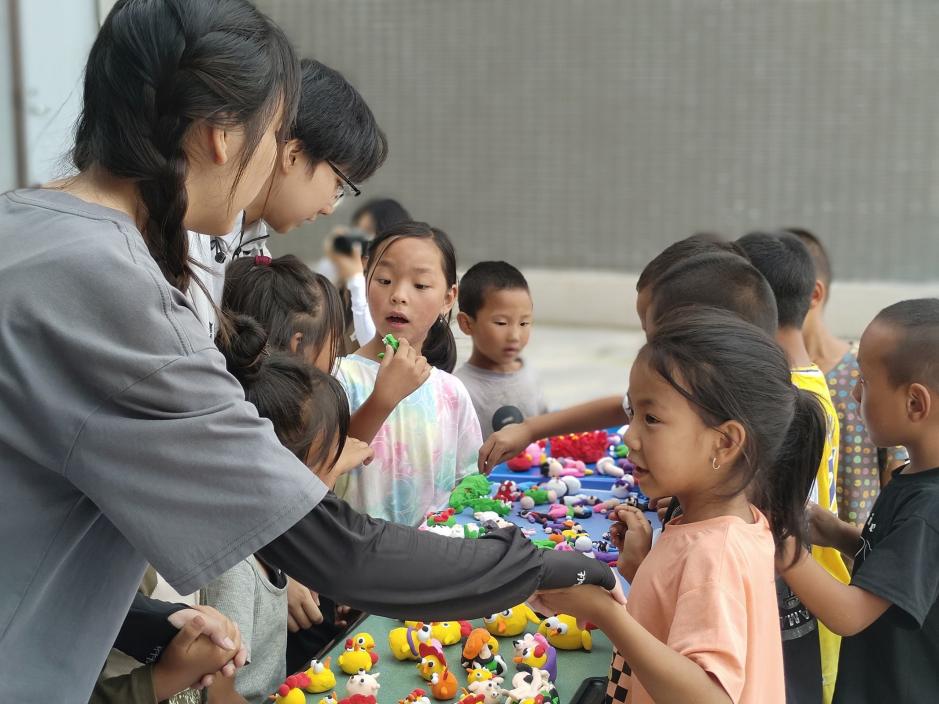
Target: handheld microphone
(506, 415)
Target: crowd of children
(797, 473)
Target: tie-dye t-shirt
(429, 442)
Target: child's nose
(631, 439)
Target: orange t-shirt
(707, 590)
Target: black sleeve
(146, 631)
(903, 568)
(397, 571)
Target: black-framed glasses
(345, 188)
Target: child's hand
(191, 659)
(401, 373)
(354, 453)
(632, 536)
(503, 445)
(303, 606)
(660, 506)
(587, 603)
(823, 526)
(218, 628)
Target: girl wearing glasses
(334, 142)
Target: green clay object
(539, 496)
(487, 504)
(544, 544)
(389, 339)
(470, 489)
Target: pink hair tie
(262, 260)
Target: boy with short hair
(888, 614)
(788, 267)
(496, 311)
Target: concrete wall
(573, 133)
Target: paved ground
(576, 364)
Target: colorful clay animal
(482, 649)
(433, 661)
(353, 659)
(321, 677)
(562, 632)
(417, 696)
(512, 621)
(447, 632)
(405, 642)
(467, 697)
(539, 655)
(470, 488)
(291, 691)
(363, 683)
(478, 674)
(328, 699)
(364, 641)
(528, 458)
(530, 686)
(443, 685)
(359, 699)
(490, 689)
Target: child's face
(299, 192)
(407, 290)
(668, 442)
(501, 328)
(883, 406)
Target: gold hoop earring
(714, 465)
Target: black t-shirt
(896, 658)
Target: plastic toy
(490, 689)
(389, 339)
(512, 621)
(291, 691)
(446, 632)
(639, 500)
(622, 487)
(470, 488)
(405, 642)
(562, 632)
(538, 654)
(321, 677)
(328, 699)
(363, 683)
(353, 659)
(417, 696)
(364, 641)
(482, 649)
(478, 674)
(532, 686)
(528, 458)
(586, 447)
(608, 467)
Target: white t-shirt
(214, 253)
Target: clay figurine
(291, 691)
(389, 339)
(321, 677)
(490, 689)
(363, 683)
(512, 621)
(353, 658)
(483, 649)
(539, 655)
(562, 632)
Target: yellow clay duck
(478, 674)
(291, 692)
(352, 659)
(328, 699)
(562, 632)
(511, 622)
(447, 632)
(364, 641)
(405, 642)
(321, 677)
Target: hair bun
(245, 347)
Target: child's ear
(295, 341)
(465, 323)
(216, 139)
(918, 402)
(290, 155)
(731, 436)
(818, 295)
(449, 299)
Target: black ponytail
(729, 370)
(156, 68)
(782, 490)
(308, 409)
(439, 346)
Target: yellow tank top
(823, 493)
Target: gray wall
(589, 133)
